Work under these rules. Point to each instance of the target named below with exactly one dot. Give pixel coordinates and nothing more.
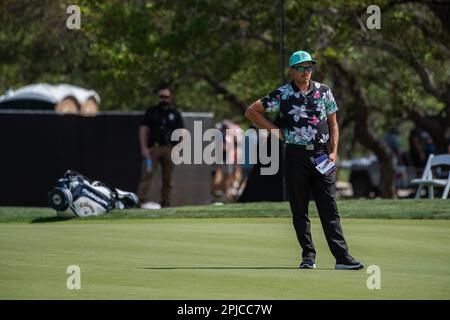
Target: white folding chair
(427, 179)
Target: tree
(222, 55)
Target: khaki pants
(160, 156)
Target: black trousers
(304, 181)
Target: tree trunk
(221, 89)
(365, 135)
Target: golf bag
(87, 198)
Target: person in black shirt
(156, 146)
(309, 129)
(416, 148)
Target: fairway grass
(219, 258)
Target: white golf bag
(87, 198)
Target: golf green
(219, 258)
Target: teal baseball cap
(299, 57)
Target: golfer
(309, 129)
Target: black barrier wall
(37, 148)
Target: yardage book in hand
(324, 165)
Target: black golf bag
(87, 198)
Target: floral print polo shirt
(303, 115)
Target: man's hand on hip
(146, 152)
(333, 157)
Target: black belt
(308, 147)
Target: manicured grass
(219, 258)
(363, 208)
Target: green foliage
(126, 49)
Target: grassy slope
(224, 258)
(382, 209)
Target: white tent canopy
(50, 93)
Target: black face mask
(164, 103)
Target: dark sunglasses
(303, 69)
(164, 97)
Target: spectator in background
(250, 143)
(227, 176)
(218, 171)
(156, 146)
(417, 152)
(392, 139)
(429, 147)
